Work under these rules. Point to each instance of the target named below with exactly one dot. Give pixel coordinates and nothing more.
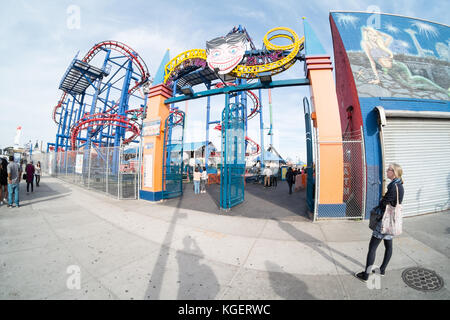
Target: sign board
(79, 164)
(152, 128)
(148, 170)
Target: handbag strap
(397, 194)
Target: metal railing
(112, 170)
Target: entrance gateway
(233, 58)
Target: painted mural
(394, 56)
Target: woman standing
(197, 177)
(394, 173)
(38, 173)
(29, 169)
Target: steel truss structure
(102, 104)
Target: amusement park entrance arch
(191, 68)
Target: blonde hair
(398, 171)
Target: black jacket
(290, 177)
(391, 195)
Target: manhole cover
(422, 279)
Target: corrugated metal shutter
(422, 147)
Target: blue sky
(37, 46)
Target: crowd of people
(11, 173)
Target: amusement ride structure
(192, 68)
(100, 106)
(230, 65)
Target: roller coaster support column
(122, 108)
(61, 125)
(208, 115)
(270, 113)
(329, 134)
(243, 96)
(261, 129)
(153, 137)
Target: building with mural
(393, 81)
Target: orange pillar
(153, 143)
(329, 135)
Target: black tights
(38, 179)
(28, 186)
(373, 245)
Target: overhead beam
(243, 87)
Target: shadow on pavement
(310, 241)
(47, 189)
(259, 202)
(196, 280)
(286, 285)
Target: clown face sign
(225, 53)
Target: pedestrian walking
(14, 173)
(29, 169)
(267, 173)
(3, 180)
(204, 179)
(394, 173)
(274, 177)
(290, 179)
(197, 178)
(38, 173)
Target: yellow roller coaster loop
(182, 57)
(249, 72)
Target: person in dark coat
(29, 169)
(3, 180)
(290, 179)
(394, 173)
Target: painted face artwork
(225, 53)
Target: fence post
(65, 161)
(89, 168)
(364, 184)
(118, 171)
(107, 170)
(317, 176)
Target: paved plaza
(65, 242)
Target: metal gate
(172, 177)
(310, 186)
(233, 155)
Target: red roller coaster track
(107, 118)
(121, 48)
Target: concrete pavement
(133, 249)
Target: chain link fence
(354, 169)
(111, 170)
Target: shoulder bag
(392, 219)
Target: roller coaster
(111, 117)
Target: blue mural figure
(375, 44)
